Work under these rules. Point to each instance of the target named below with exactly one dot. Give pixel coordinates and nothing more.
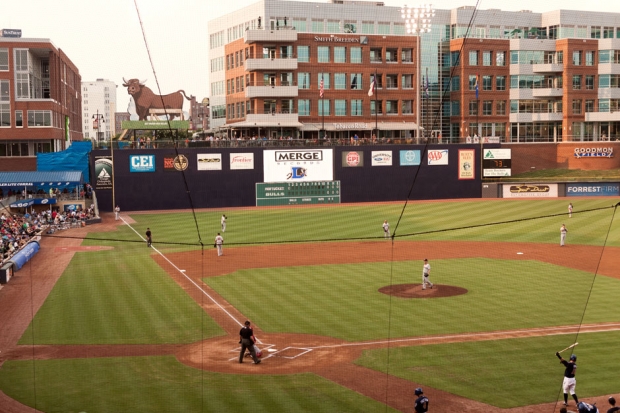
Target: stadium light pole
(98, 120)
(418, 21)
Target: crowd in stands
(17, 231)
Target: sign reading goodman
(300, 165)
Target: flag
(476, 87)
(426, 87)
(371, 91)
(321, 90)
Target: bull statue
(145, 99)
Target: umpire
(247, 340)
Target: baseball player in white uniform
(570, 209)
(426, 271)
(563, 232)
(223, 222)
(219, 242)
(386, 229)
(117, 212)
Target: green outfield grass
(161, 384)
(506, 373)
(122, 296)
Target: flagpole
(376, 109)
(427, 102)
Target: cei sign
(142, 163)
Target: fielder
(563, 232)
(570, 209)
(426, 271)
(386, 229)
(223, 222)
(117, 212)
(219, 242)
(421, 403)
(569, 377)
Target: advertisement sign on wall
(352, 159)
(298, 165)
(466, 164)
(103, 172)
(142, 163)
(582, 189)
(381, 158)
(209, 161)
(594, 152)
(438, 157)
(174, 163)
(241, 161)
(410, 158)
(530, 191)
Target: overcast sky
(104, 38)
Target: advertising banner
(467, 164)
(410, 158)
(352, 159)
(103, 172)
(174, 163)
(599, 189)
(594, 152)
(142, 163)
(438, 157)
(381, 158)
(209, 161)
(241, 161)
(298, 165)
(530, 191)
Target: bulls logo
(181, 163)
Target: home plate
(519, 253)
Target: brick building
(40, 101)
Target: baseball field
(99, 322)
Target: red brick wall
(18, 164)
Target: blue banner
(34, 201)
(142, 163)
(410, 158)
(26, 253)
(598, 189)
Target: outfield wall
(149, 179)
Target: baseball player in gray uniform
(223, 222)
(426, 271)
(563, 232)
(386, 229)
(219, 244)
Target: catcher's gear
(418, 391)
(573, 357)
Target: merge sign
(298, 165)
(496, 162)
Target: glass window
(455, 108)
(333, 26)
(455, 58)
(473, 107)
(340, 81)
(500, 83)
(399, 29)
(500, 107)
(303, 54)
(486, 58)
(604, 81)
(576, 106)
(577, 57)
(487, 107)
(356, 81)
(317, 26)
(407, 107)
(323, 107)
(603, 105)
(19, 120)
(500, 58)
(604, 56)
(455, 84)
(472, 82)
(300, 25)
(356, 107)
(303, 107)
(350, 27)
(340, 54)
(5, 115)
(383, 28)
(487, 82)
(391, 107)
(368, 27)
(323, 54)
(303, 80)
(376, 104)
(514, 57)
(406, 55)
(590, 82)
(340, 107)
(473, 58)
(39, 118)
(406, 81)
(4, 59)
(590, 58)
(589, 105)
(595, 32)
(356, 55)
(325, 78)
(576, 82)
(375, 55)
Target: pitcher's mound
(416, 291)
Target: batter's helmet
(418, 391)
(573, 357)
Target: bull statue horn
(142, 82)
(124, 81)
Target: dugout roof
(40, 179)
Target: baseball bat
(569, 347)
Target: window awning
(40, 178)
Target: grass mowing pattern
(118, 301)
(343, 301)
(161, 384)
(506, 373)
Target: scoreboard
(496, 162)
(298, 193)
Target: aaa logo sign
(437, 157)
